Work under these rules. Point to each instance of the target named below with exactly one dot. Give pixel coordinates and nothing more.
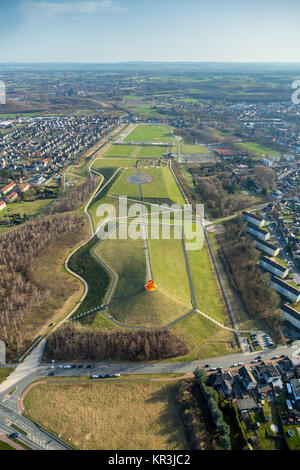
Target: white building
(258, 232)
(291, 315)
(253, 219)
(273, 267)
(267, 247)
(283, 288)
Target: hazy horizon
(126, 31)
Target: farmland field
(140, 416)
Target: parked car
(94, 377)
(14, 434)
(212, 369)
(117, 375)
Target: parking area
(261, 340)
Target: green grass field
(122, 187)
(150, 152)
(127, 259)
(207, 292)
(204, 338)
(112, 163)
(194, 149)
(259, 150)
(151, 133)
(121, 151)
(163, 188)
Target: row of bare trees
(18, 250)
(76, 198)
(241, 258)
(72, 342)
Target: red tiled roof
(12, 195)
(8, 186)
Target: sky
(149, 30)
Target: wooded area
(73, 343)
(18, 250)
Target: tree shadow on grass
(169, 419)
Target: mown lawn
(113, 163)
(122, 188)
(105, 416)
(169, 269)
(163, 188)
(207, 291)
(194, 149)
(130, 303)
(204, 338)
(120, 151)
(151, 133)
(259, 150)
(155, 152)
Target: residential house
(267, 373)
(247, 378)
(7, 188)
(24, 188)
(2, 205)
(11, 198)
(221, 382)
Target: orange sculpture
(150, 286)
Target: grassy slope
(204, 338)
(119, 416)
(127, 259)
